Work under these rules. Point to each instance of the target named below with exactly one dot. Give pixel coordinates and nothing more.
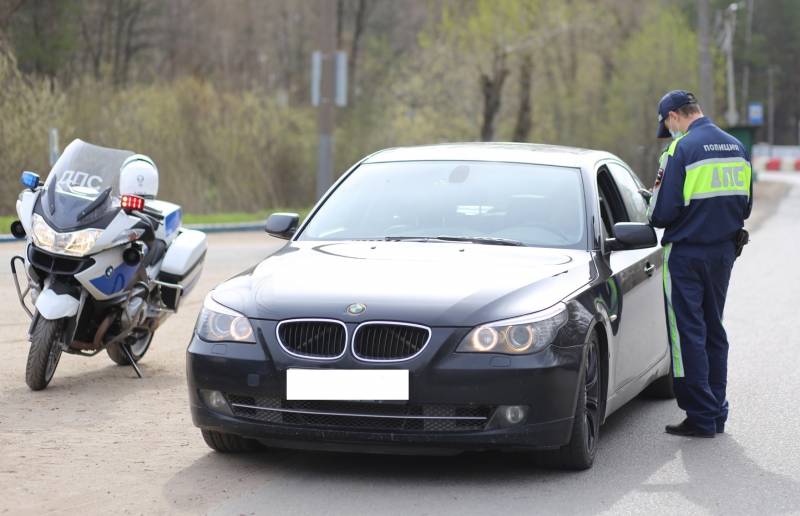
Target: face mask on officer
(672, 125)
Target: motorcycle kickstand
(126, 349)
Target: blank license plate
(347, 384)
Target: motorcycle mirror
(30, 179)
(17, 229)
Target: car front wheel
(229, 443)
(579, 452)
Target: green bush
(28, 108)
(215, 150)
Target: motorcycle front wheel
(44, 354)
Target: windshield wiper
(481, 240)
(447, 238)
(100, 199)
(408, 238)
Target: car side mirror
(632, 235)
(282, 225)
(647, 194)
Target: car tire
(662, 388)
(229, 443)
(44, 354)
(578, 454)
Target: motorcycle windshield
(78, 179)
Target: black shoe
(686, 429)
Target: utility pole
(731, 115)
(706, 69)
(327, 44)
(748, 36)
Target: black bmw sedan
(439, 299)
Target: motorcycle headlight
(73, 243)
(218, 323)
(518, 336)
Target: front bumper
(546, 382)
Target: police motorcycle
(105, 262)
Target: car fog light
(215, 400)
(514, 414)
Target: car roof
(533, 153)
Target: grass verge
(198, 218)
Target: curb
(205, 228)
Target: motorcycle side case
(182, 265)
(170, 227)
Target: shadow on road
(748, 488)
(633, 456)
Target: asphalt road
(100, 441)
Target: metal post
(771, 107)
(732, 115)
(706, 68)
(52, 145)
(748, 36)
(327, 45)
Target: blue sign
(755, 113)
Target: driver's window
(612, 209)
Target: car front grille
(361, 416)
(389, 341)
(313, 338)
(56, 264)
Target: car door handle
(649, 268)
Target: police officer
(702, 196)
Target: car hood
(432, 283)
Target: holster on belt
(742, 239)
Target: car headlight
(218, 323)
(73, 243)
(518, 336)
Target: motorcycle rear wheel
(44, 354)
(138, 348)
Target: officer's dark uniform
(704, 196)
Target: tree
(522, 127)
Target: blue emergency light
(29, 179)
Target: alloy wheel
(592, 391)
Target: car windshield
(535, 205)
(80, 175)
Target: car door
(641, 335)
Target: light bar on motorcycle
(29, 180)
(131, 203)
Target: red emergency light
(131, 203)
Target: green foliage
(234, 217)
(228, 121)
(5, 223)
(46, 34)
(659, 56)
(216, 151)
(28, 108)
